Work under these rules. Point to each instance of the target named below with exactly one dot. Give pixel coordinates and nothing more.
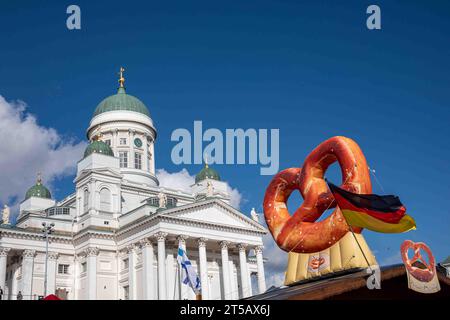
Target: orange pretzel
(299, 232)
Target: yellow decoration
(121, 78)
(343, 255)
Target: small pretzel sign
(424, 275)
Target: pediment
(104, 171)
(215, 212)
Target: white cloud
(182, 180)
(276, 264)
(27, 148)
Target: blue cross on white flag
(188, 274)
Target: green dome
(98, 146)
(205, 173)
(121, 101)
(38, 190)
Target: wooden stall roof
(352, 285)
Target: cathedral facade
(117, 235)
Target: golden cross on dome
(121, 78)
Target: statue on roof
(209, 189)
(162, 200)
(254, 215)
(5, 214)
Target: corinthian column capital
(4, 252)
(182, 239)
(161, 236)
(259, 249)
(91, 251)
(146, 242)
(224, 244)
(242, 246)
(202, 242)
(53, 255)
(27, 254)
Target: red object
(424, 275)
(51, 297)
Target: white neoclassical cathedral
(117, 235)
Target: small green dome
(205, 173)
(121, 101)
(38, 190)
(98, 146)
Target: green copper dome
(121, 101)
(38, 190)
(98, 146)
(205, 173)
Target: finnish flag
(188, 274)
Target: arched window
(105, 200)
(85, 200)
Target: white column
(3, 258)
(15, 283)
(161, 237)
(250, 287)
(145, 159)
(131, 249)
(76, 274)
(27, 273)
(51, 272)
(244, 270)
(131, 134)
(91, 258)
(172, 289)
(152, 159)
(233, 286)
(203, 267)
(260, 265)
(148, 258)
(225, 270)
(116, 141)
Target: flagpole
(357, 242)
(353, 233)
(175, 283)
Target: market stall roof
(351, 285)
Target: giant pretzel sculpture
(424, 275)
(300, 232)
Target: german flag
(384, 214)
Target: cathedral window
(108, 142)
(123, 156)
(63, 268)
(138, 160)
(123, 141)
(83, 267)
(105, 200)
(85, 200)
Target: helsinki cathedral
(117, 235)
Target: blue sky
(310, 68)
